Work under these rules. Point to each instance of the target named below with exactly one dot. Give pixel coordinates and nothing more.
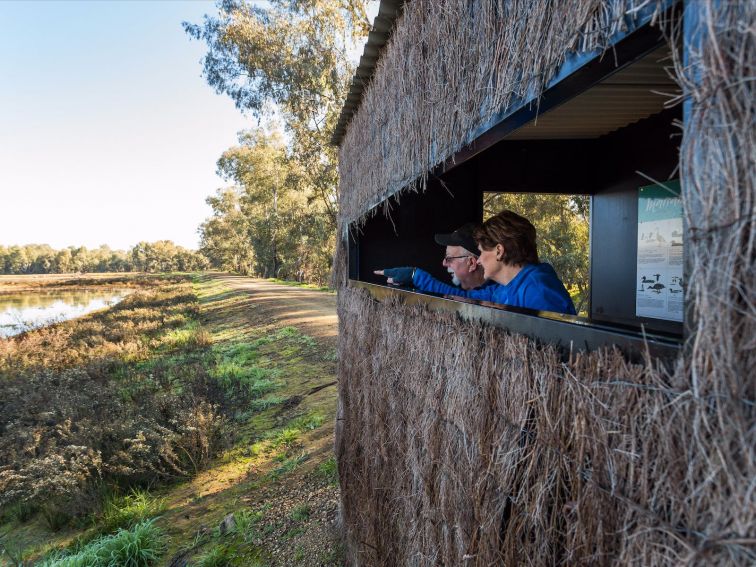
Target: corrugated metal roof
(632, 94)
(383, 25)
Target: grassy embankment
(139, 429)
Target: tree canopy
(263, 223)
(288, 59)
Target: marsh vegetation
(116, 423)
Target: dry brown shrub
(73, 414)
(64, 433)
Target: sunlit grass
(140, 546)
(290, 283)
(130, 509)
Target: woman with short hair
(509, 256)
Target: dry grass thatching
(460, 444)
(448, 68)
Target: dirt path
(313, 312)
(250, 305)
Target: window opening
(576, 173)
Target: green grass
(265, 403)
(235, 547)
(129, 510)
(242, 367)
(238, 368)
(295, 336)
(299, 553)
(308, 422)
(286, 438)
(300, 513)
(219, 555)
(20, 512)
(140, 546)
(294, 532)
(242, 353)
(288, 465)
(328, 471)
(247, 522)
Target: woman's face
(488, 260)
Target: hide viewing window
(602, 132)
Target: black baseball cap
(463, 237)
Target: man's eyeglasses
(447, 259)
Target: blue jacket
(536, 286)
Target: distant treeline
(160, 256)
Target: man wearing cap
(461, 261)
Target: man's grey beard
(455, 279)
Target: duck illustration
(657, 287)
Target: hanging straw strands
(460, 444)
(448, 68)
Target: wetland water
(21, 312)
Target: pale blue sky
(108, 132)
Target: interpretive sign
(660, 286)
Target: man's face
(463, 267)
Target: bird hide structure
(468, 435)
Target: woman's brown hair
(515, 233)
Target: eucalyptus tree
(224, 237)
(258, 166)
(291, 59)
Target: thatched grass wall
(448, 68)
(463, 445)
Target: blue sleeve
(425, 282)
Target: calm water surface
(31, 310)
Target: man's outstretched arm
(423, 281)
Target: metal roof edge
(383, 26)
